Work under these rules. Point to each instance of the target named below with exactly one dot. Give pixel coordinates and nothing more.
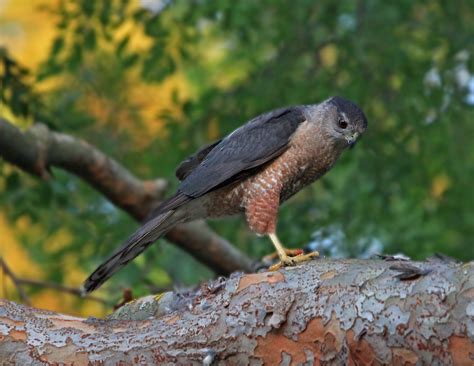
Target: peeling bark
(38, 149)
(325, 312)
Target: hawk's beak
(352, 139)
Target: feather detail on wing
(254, 144)
(188, 165)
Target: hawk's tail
(136, 244)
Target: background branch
(19, 282)
(16, 281)
(38, 149)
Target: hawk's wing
(189, 164)
(259, 141)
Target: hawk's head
(346, 121)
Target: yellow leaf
(14, 254)
(328, 55)
(213, 131)
(395, 81)
(25, 31)
(439, 186)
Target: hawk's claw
(289, 252)
(286, 261)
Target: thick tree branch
(38, 149)
(324, 312)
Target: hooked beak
(352, 139)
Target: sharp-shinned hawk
(251, 171)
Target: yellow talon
(159, 296)
(285, 259)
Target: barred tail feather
(136, 244)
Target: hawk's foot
(285, 259)
(289, 252)
(291, 261)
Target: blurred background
(148, 82)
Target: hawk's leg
(285, 259)
(261, 213)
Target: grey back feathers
(235, 157)
(259, 141)
(189, 164)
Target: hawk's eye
(342, 124)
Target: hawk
(251, 172)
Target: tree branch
(16, 281)
(67, 289)
(19, 282)
(327, 312)
(38, 149)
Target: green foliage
(16, 92)
(406, 185)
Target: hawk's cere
(251, 171)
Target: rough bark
(325, 312)
(38, 149)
